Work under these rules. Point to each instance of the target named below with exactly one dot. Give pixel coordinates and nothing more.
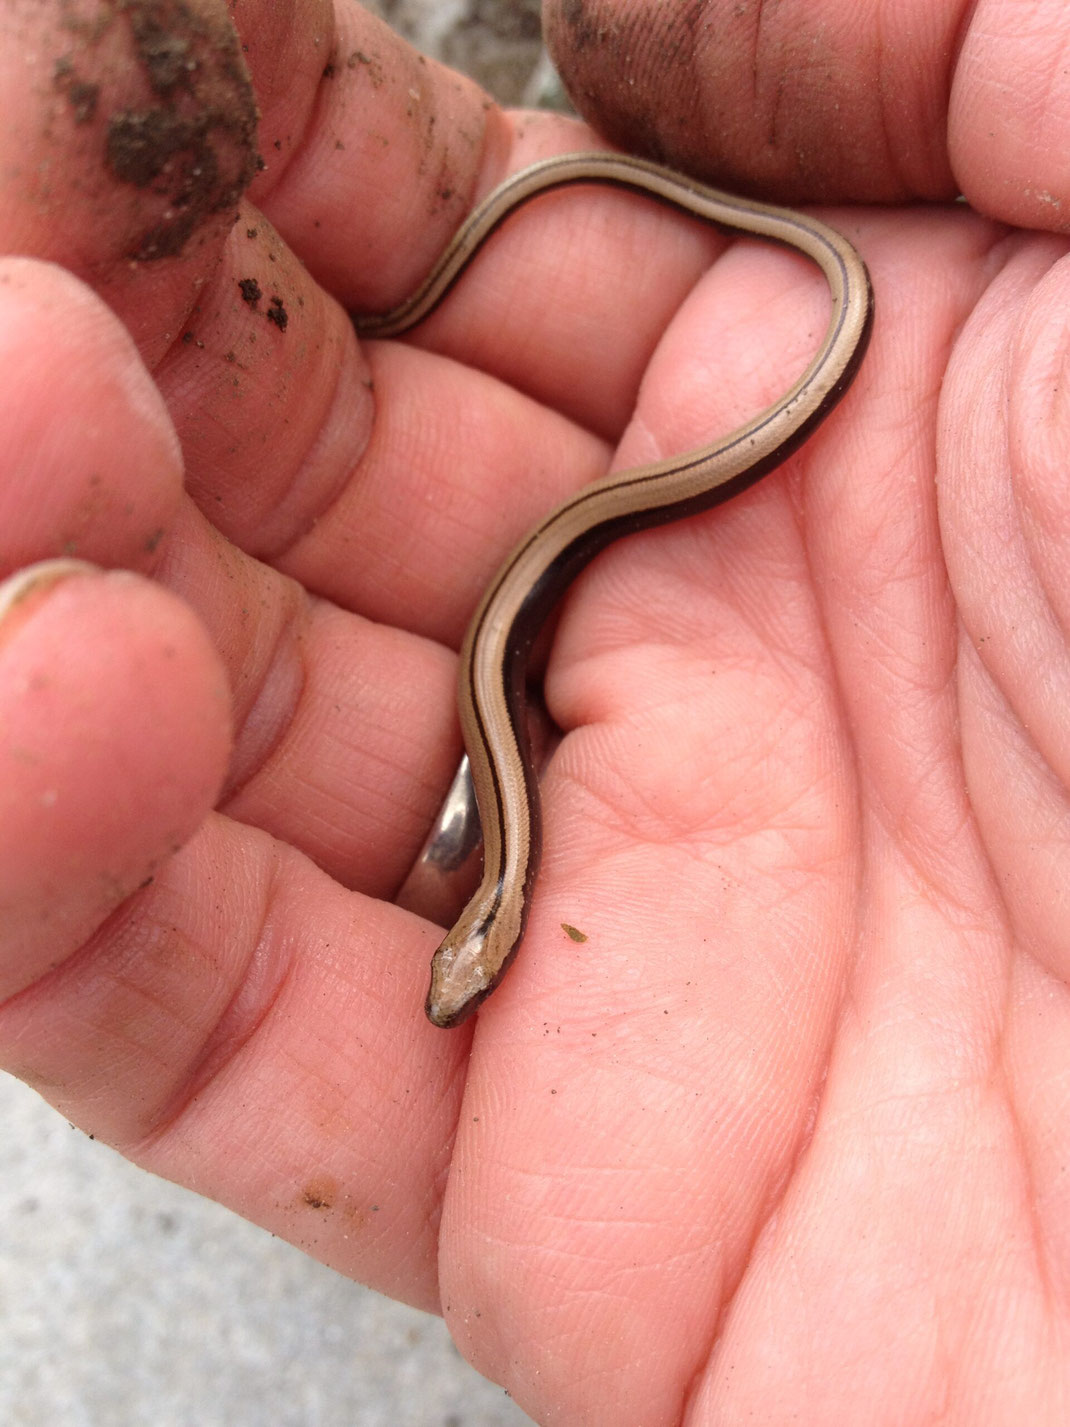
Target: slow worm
(475, 953)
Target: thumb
(114, 736)
(831, 101)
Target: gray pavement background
(495, 41)
(129, 1302)
(126, 1301)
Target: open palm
(785, 1138)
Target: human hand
(803, 1078)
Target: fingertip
(19, 594)
(127, 137)
(90, 463)
(114, 741)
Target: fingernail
(35, 580)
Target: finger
(148, 121)
(372, 152)
(115, 731)
(382, 478)
(116, 717)
(114, 727)
(794, 100)
(832, 101)
(116, 710)
(888, 616)
(270, 395)
(1003, 517)
(1007, 115)
(89, 461)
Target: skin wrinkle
(323, 638)
(622, 814)
(886, 122)
(918, 860)
(347, 471)
(763, 1223)
(173, 570)
(1039, 90)
(807, 1123)
(1030, 1202)
(614, 1294)
(1017, 397)
(296, 140)
(130, 914)
(1004, 713)
(224, 1043)
(1031, 1197)
(329, 497)
(289, 677)
(958, 38)
(900, 827)
(758, 749)
(1029, 580)
(890, 123)
(756, 69)
(835, 689)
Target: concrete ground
(128, 1302)
(495, 41)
